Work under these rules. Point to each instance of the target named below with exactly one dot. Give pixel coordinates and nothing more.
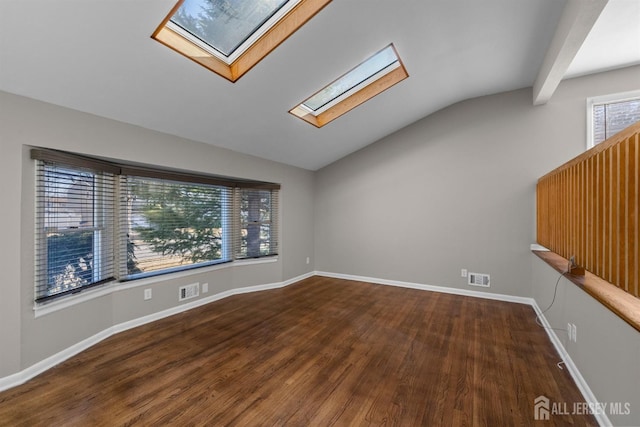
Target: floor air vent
(477, 279)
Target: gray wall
(24, 122)
(457, 190)
(606, 350)
(453, 190)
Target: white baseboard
(584, 388)
(41, 366)
(432, 288)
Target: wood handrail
(588, 209)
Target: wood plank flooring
(320, 352)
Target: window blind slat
(172, 225)
(74, 228)
(96, 223)
(611, 118)
(258, 223)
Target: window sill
(623, 304)
(43, 309)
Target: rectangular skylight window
(353, 88)
(375, 67)
(231, 36)
(225, 26)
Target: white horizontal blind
(74, 238)
(172, 225)
(99, 221)
(258, 222)
(611, 118)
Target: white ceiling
(97, 56)
(614, 41)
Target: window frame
(103, 221)
(250, 39)
(118, 231)
(603, 100)
(241, 225)
(267, 41)
(126, 228)
(357, 95)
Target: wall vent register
(477, 279)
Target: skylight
(225, 26)
(230, 37)
(353, 88)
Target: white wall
(26, 339)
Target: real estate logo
(541, 408)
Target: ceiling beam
(577, 20)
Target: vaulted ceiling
(97, 56)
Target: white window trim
(605, 99)
(42, 309)
(369, 80)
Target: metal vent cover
(478, 279)
(189, 291)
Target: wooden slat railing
(588, 208)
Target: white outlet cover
(147, 294)
(205, 288)
(463, 272)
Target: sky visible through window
(372, 66)
(225, 24)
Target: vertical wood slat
(589, 208)
(591, 214)
(622, 220)
(606, 211)
(632, 214)
(599, 232)
(615, 203)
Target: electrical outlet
(308, 260)
(572, 331)
(463, 272)
(147, 294)
(205, 288)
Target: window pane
(74, 242)
(609, 119)
(599, 126)
(224, 24)
(353, 78)
(173, 225)
(257, 231)
(621, 115)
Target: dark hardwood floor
(317, 353)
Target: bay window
(100, 221)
